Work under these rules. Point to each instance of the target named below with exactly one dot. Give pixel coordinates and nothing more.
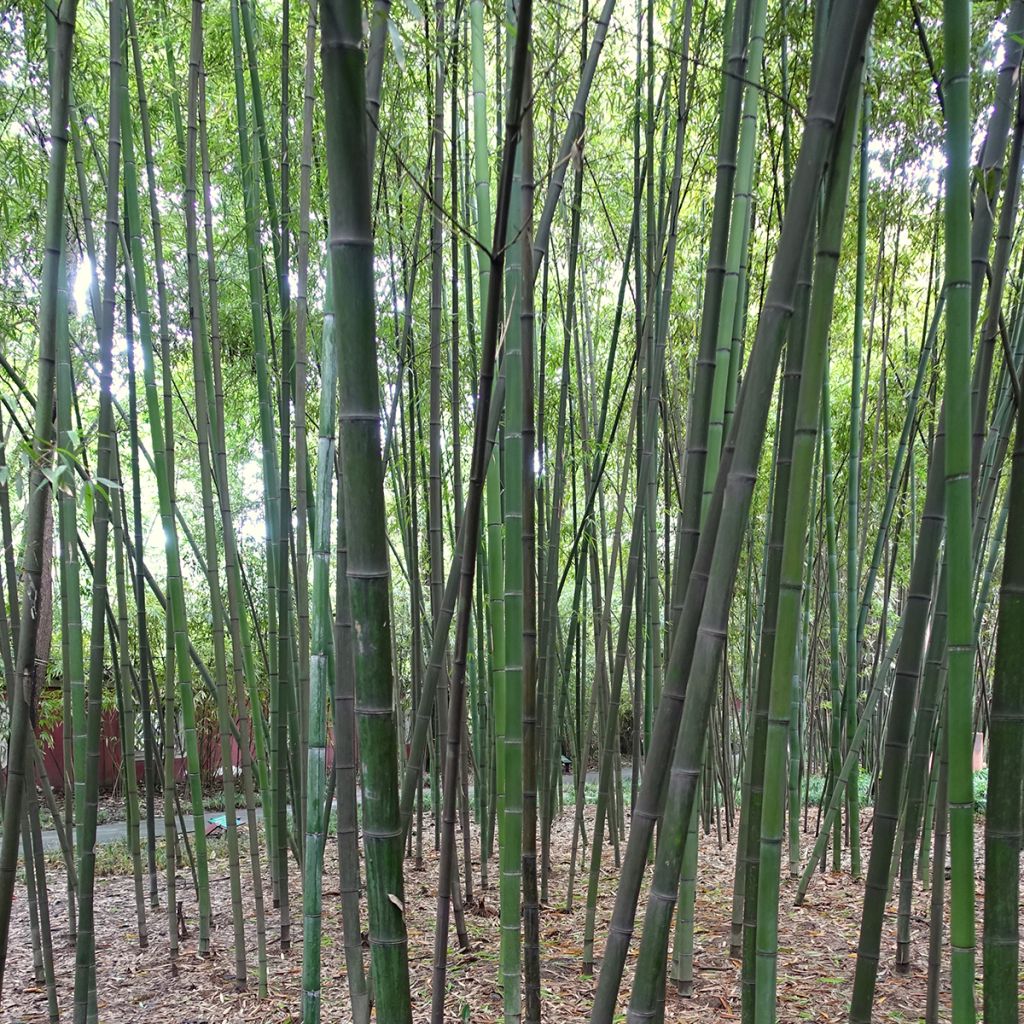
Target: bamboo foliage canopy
(476, 479)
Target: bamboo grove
(496, 454)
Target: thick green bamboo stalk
(34, 860)
(775, 537)
(495, 559)
(511, 822)
(351, 246)
(957, 399)
(937, 902)
(461, 247)
(296, 684)
(739, 225)
(798, 749)
(915, 615)
(933, 681)
(730, 108)
(775, 540)
(315, 638)
(479, 675)
(652, 598)
(749, 833)
(531, 1011)
(787, 625)
(847, 30)
(908, 667)
(39, 487)
(290, 774)
(345, 756)
(1006, 765)
(435, 533)
(642, 127)
(927, 700)
(682, 962)
(746, 844)
(989, 173)
(292, 724)
(531, 904)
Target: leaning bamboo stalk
(32, 567)
(791, 579)
(695, 459)
(847, 30)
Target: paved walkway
(115, 831)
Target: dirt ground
(817, 952)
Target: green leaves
(396, 43)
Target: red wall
(111, 758)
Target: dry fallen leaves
(817, 952)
